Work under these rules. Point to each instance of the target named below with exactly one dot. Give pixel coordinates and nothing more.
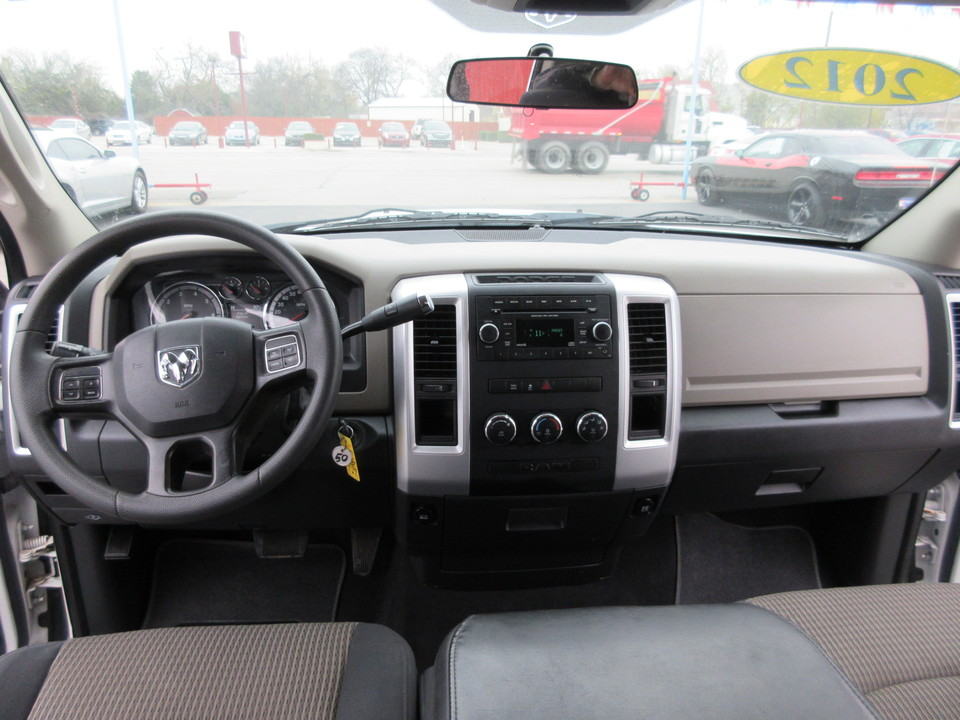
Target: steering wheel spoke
(280, 354)
(81, 386)
(188, 464)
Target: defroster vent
(647, 327)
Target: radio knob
(500, 429)
(546, 428)
(592, 427)
(489, 333)
(601, 331)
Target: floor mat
(203, 582)
(721, 562)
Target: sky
(328, 31)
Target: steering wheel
(187, 381)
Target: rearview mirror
(543, 82)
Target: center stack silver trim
(432, 469)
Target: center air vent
(435, 344)
(435, 376)
(647, 332)
(955, 328)
(647, 328)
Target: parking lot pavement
(275, 183)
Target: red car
(943, 147)
(393, 133)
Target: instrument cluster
(267, 300)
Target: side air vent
(435, 376)
(950, 282)
(54, 333)
(513, 278)
(647, 333)
(955, 327)
(647, 328)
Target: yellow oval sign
(853, 77)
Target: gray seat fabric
(315, 671)
(899, 644)
(697, 661)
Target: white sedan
(121, 133)
(99, 182)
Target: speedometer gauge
(183, 301)
(286, 307)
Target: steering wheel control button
(546, 428)
(282, 353)
(500, 429)
(601, 331)
(80, 384)
(592, 427)
(489, 333)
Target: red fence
(276, 126)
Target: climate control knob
(500, 429)
(592, 427)
(546, 428)
(601, 331)
(489, 333)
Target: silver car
(99, 182)
(121, 133)
(235, 135)
(71, 126)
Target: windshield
(853, 79)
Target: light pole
(238, 50)
(127, 91)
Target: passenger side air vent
(955, 328)
(435, 376)
(646, 325)
(514, 278)
(647, 333)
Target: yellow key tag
(346, 456)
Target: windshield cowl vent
(435, 345)
(648, 338)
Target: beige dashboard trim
(757, 277)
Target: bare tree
(196, 79)
(372, 73)
(434, 75)
(58, 85)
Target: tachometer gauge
(183, 301)
(286, 307)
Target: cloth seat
(890, 652)
(311, 671)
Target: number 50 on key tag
(344, 455)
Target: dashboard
(565, 392)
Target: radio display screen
(545, 333)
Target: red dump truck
(554, 141)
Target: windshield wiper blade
(399, 216)
(689, 219)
